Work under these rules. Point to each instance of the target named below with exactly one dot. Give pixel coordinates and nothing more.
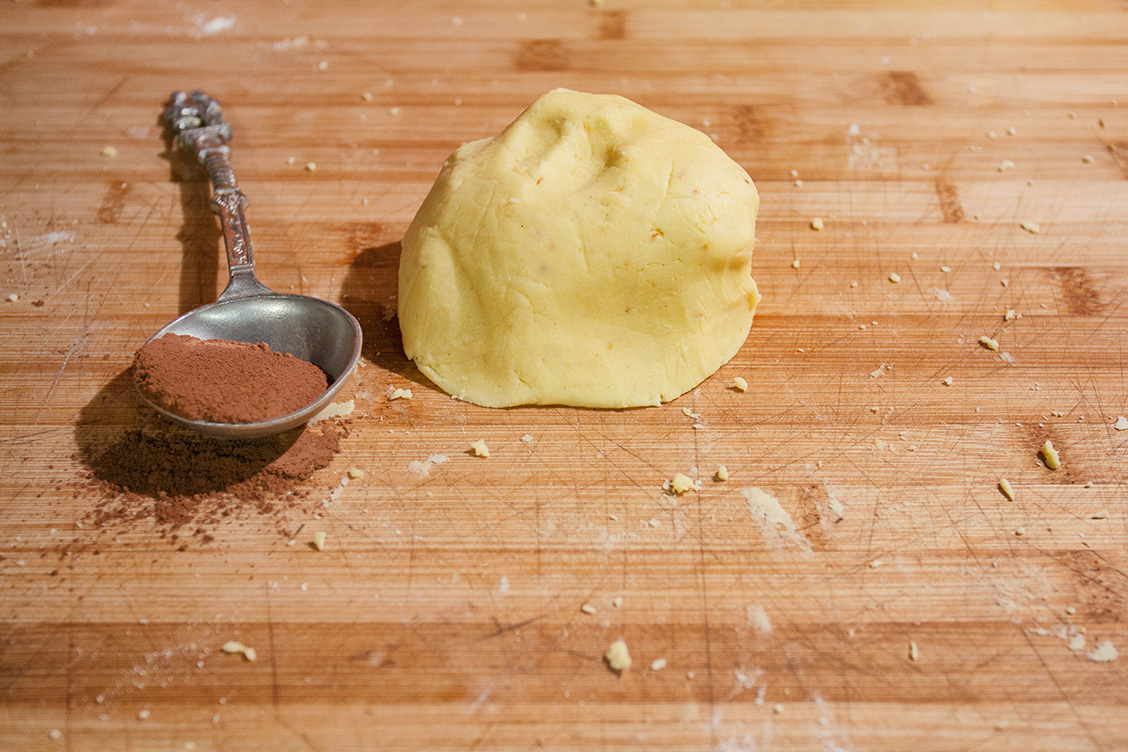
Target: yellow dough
(593, 253)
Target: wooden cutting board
(890, 598)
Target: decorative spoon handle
(197, 121)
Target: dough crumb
(1101, 515)
(722, 473)
(400, 394)
(1031, 227)
(796, 263)
(13, 298)
(355, 472)
(480, 449)
(1005, 487)
(233, 646)
(618, 657)
(319, 540)
(876, 564)
(1105, 652)
(741, 385)
(914, 653)
(250, 654)
(1121, 424)
(109, 151)
(681, 483)
(1020, 532)
(311, 166)
(948, 381)
(817, 223)
(1050, 455)
(777, 708)
(617, 602)
(894, 277)
(142, 714)
(1010, 315)
(527, 438)
(1087, 159)
(55, 735)
(1006, 165)
(990, 344)
(335, 410)
(587, 608)
(658, 664)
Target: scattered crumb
(527, 438)
(795, 264)
(398, 393)
(777, 708)
(1005, 487)
(587, 608)
(109, 151)
(1011, 131)
(55, 735)
(311, 166)
(817, 223)
(1050, 455)
(291, 160)
(990, 344)
(1020, 532)
(335, 410)
(1121, 424)
(914, 653)
(1006, 165)
(1077, 642)
(1087, 159)
(878, 372)
(142, 714)
(250, 654)
(681, 483)
(945, 269)
(323, 65)
(617, 656)
(722, 473)
(658, 664)
(875, 563)
(367, 96)
(617, 602)
(894, 277)
(996, 266)
(480, 448)
(1031, 227)
(217, 24)
(233, 646)
(948, 381)
(13, 298)
(1105, 653)
(1101, 515)
(992, 134)
(740, 384)
(355, 472)
(1010, 315)
(319, 540)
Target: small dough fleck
(1050, 455)
(1010, 315)
(319, 540)
(398, 393)
(1006, 488)
(109, 151)
(233, 646)
(1031, 227)
(480, 449)
(617, 656)
(311, 167)
(1121, 424)
(948, 381)
(987, 342)
(658, 664)
(355, 472)
(587, 608)
(914, 652)
(894, 277)
(681, 483)
(741, 385)
(722, 473)
(817, 223)
(1105, 652)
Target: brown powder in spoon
(223, 381)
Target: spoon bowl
(314, 330)
(308, 328)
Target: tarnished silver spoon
(247, 311)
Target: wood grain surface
(910, 605)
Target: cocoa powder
(224, 381)
(179, 479)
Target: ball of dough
(593, 253)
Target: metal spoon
(247, 311)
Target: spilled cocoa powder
(224, 382)
(186, 483)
